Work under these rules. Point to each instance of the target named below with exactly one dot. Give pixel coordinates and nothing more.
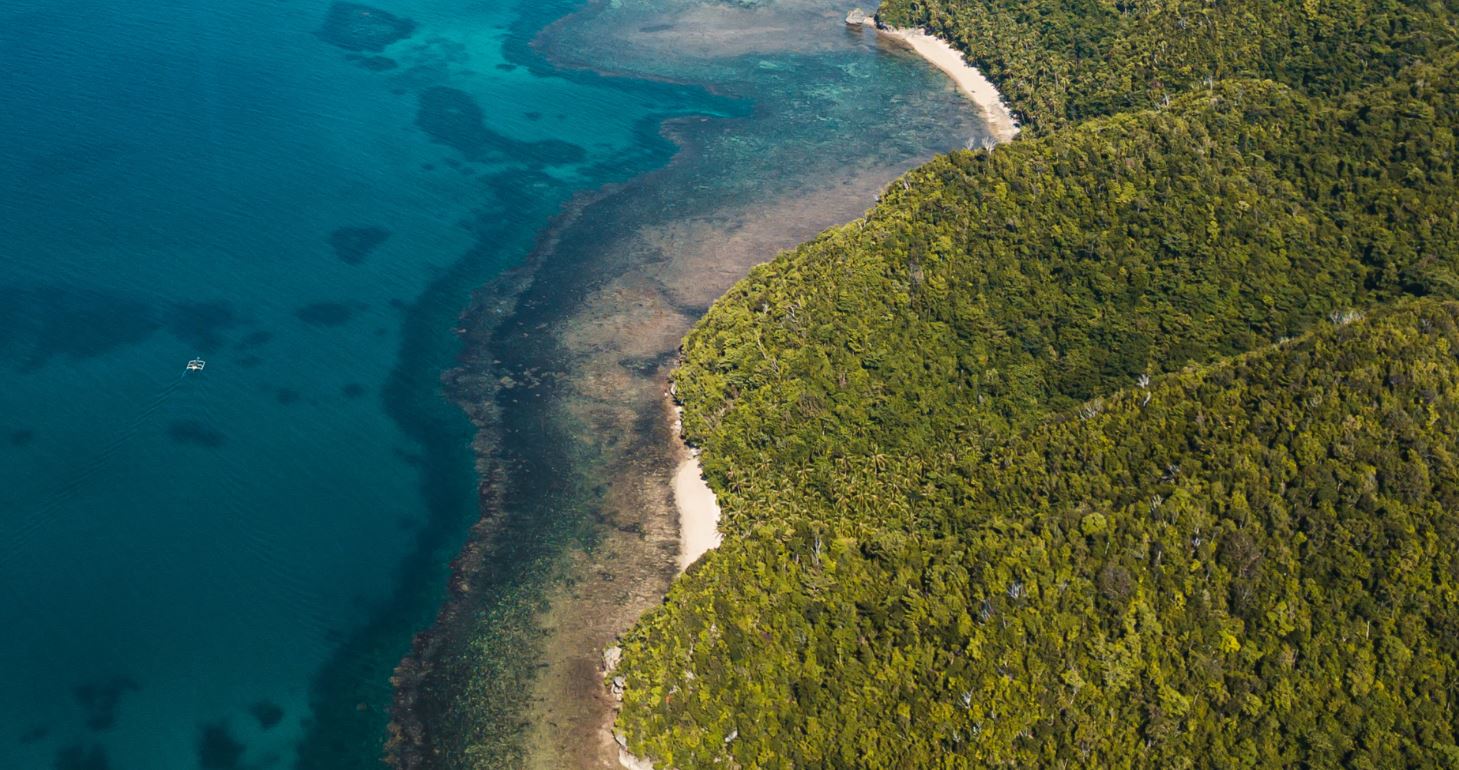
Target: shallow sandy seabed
(643, 312)
(644, 32)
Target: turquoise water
(220, 569)
(182, 556)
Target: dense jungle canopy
(1129, 443)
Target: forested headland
(1130, 443)
(1061, 61)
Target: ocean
(221, 568)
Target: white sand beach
(695, 502)
(969, 80)
(698, 509)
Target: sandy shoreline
(695, 502)
(697, 507)
(940, 54)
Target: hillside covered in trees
(1127, 444)
(1249, 563)
(1061, 61)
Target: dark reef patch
(551, 152)
(78, 757)
(374, 63)
(268, 714)
(352, 390)
(38, 323)
(325, 313)
(255, 339)
(218, 749)
(195, 433)
(353, 244)
(451, 117)
(201, 324)
(356, 27)
(22, 437)
(34, 735)
(100, 700)
(286, 396)
(408, 457)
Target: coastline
(969, 79)
(695, 504)
(694, 501)
(563, 372)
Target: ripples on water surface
(220, 570)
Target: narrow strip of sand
(697, 506)
(969, 80)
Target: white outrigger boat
(196, 365)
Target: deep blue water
(220, 569)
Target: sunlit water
(219, 569)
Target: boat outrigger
(196, 365)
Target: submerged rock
(218, 749)
(353, 244)
(856, 17)
(267, 713)
(325, 313)
(100, 700)
(374, 63)
(356, 27)
(452, 117)
(78, 757)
